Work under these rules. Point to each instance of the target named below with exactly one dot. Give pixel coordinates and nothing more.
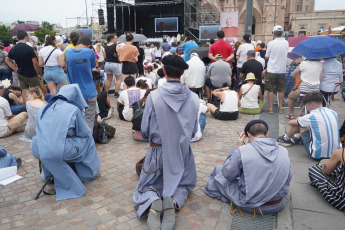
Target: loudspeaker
(101, 17)
(110, 16)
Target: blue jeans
(17, 109)
(5, 74)
(202, 121)
(239, 79)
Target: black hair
(6, 42)
(142, 84)
(129, 81)
(85, 41)
(148, 91)
(212, 41)
(206, 60)
(225, 84)
(110, 37)
(15, 88)
(136, 44)
(164, 40)
(246, 38)
(50, 40)
(278, 33)
(189, 38)
(173, 72)
(220, 34)
(21, 34)
(149, 69)
(155, 65)
(314, 96)
(160, 73)
(129, 37)
(262, 45)
(74, 38)
(258, 129)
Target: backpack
(110, 132)
(137, 117)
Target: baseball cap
(277, 28)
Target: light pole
(87, 18)
(249, 17)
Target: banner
(229, 24)
(208, 32)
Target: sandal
(291, 117)
(270, 111)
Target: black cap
(176, 61)
(253, 122)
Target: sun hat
(59, 40)
(250, 76)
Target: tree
(5, 33)
(20, 22)
(46, 30)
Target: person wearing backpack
(138, 112)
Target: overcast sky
(58, 11)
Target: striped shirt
(324, 130)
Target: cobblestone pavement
(108, 201)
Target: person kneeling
(229, 104)
(64, 143)
(255, 176)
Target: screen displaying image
(85, 33)
(208, 32)
(166, 25)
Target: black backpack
(137, 116)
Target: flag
(329, 29)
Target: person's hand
(39, 77)
(240, 139)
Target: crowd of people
(161, 89)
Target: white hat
(59, 40)
(278, 28)
(258, 42)
(194, 55)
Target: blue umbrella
(320, 47)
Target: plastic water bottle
(104, 135)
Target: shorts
(129, 68)
(28, 82)
(112, 68)
(275, 82)
(15, 123)
(208, 83)
(306, 141)
(91, 111)
(55, 74)
(225, 116)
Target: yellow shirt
(67, 47)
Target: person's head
(99, 88)
(50, 40)
(278, 31)
(129, 37)
(112, 38)
(149, 69)
(174, 66)
(237, 44)
(219, 57)
(250, 78)
(6, 42)
(312, 100)
(160, 73)
(246, 38)
(15, 89)
(2, 46)
(22, 35)
(14, 41)
(220, 34)
(189, 38)
(58, 41)
(74, 36)
(155, 65)
(136, 44)
(85, 41)
(164, 40)
(262, 45)
(141, 84)
(206, 60)
(229, 22)
(129, 81)
(255, 129)
(34, 93)
(98, 47)
(250, 54)
(225, 84)
(212, 41)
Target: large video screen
(166, 24)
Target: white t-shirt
(311, 71)
(158, 52)
(161, 82)
(53, 59)
(198, 134)
(148, 81)
(151, 76)
(242, 53)
(148, 52)
(5, 111)
(277, 53)
(250, 100)
(127, 98)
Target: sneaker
(296, 139)
(19, 162)
(284, 141)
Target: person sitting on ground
(13, 95)
(318, 129)
(229, 104)
(147, 80)
(193, 77)
(68, 151)
(295, 93)
(151, 73)
(218, 73)
(255, 177)
(162, 78)
(105, 109)
(249, 94)
(201, 120)
(138, 111)
(141, 84)
(127, 98)
(8, 160)
(34, 101)
(9, 123)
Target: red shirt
(223, 48)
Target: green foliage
(5, 33)
(20, 22)
(40, 34)
(46, 25)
